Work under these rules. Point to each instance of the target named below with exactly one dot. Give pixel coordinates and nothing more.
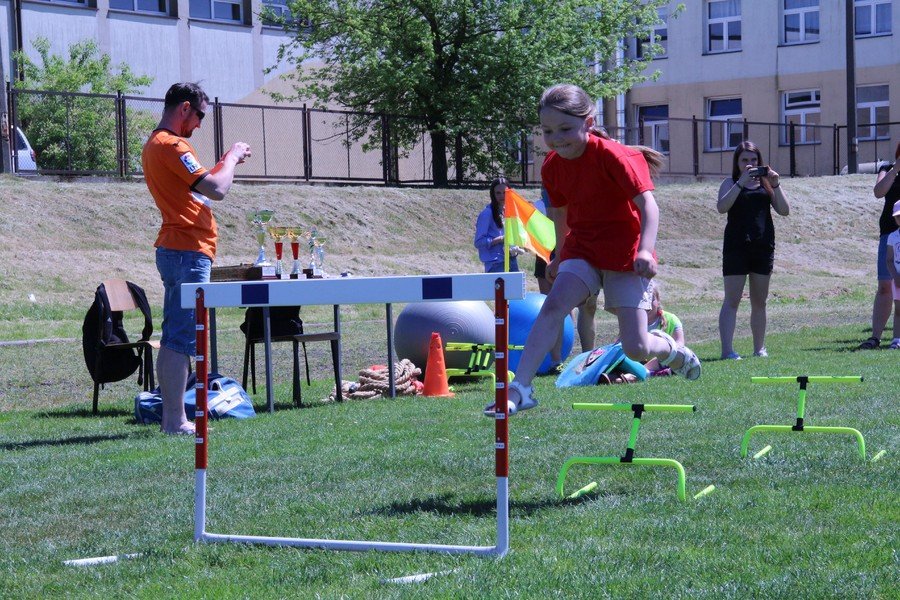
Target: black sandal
(870, 344)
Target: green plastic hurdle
(799, 426)
(628, 458)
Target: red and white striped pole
(501, 413)
(200, 416)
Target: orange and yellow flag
(526, 227)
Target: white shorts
(620, 289)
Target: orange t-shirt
(171, 170)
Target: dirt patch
(62, 238)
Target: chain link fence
(96, 134)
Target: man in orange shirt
(186, 244)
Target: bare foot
(185, 429)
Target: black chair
(287, 326)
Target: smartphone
(759, 171)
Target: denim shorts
(179, 331)
(883, 274)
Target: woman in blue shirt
(489, 231)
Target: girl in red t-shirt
(606, 222)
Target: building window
(218, 10)
(803, 109)
(654, 127)
(158, 7)
(801, 21)
(873, 17)
(872, 113)
(724, 128)
(276, 12)
(659, 34)
(723, 25)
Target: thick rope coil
(374, 383)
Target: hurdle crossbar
(799, 426)
(501, 287)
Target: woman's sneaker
(690, 367)
(895, 345)
(524, 400)
(761, 353)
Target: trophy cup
(258, 219)
(277, 234)
(311, 236)
(319, 256)
(293, 234)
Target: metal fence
(97, 134)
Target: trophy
(277, 234)
(258, 219)
(319, 256)
(293, 234)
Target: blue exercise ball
(522, 315)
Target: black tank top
(887, 224)
(750, 219)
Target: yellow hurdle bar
(631, 407)
(810, 379)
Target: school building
(735, 64)
(223, 44)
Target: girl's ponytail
(655, 159)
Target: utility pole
(5, 146)
(852, 140)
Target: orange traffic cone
(435, 370)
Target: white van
(26, 158)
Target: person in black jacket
(748, 249)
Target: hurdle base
(860, 442)
(616, 460)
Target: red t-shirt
(596, 188)
(171, 170)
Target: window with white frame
(218, 10)
(723, 25)
(654, 126)
(158, 7)
(872, 112)
(873, 17)
(658, 34)
(801, 21)
(724, 128)
(802, 109)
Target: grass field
(811, 519)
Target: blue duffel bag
(225, 399)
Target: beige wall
(759, 74)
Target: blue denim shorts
(883, 274)
(179, 331)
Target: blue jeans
(497, 266)
(179, 331)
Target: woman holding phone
(748, 249)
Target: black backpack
(103, 327)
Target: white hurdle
(500, 287)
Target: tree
(468, 68)
(78, 132)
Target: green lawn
(809, 520)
